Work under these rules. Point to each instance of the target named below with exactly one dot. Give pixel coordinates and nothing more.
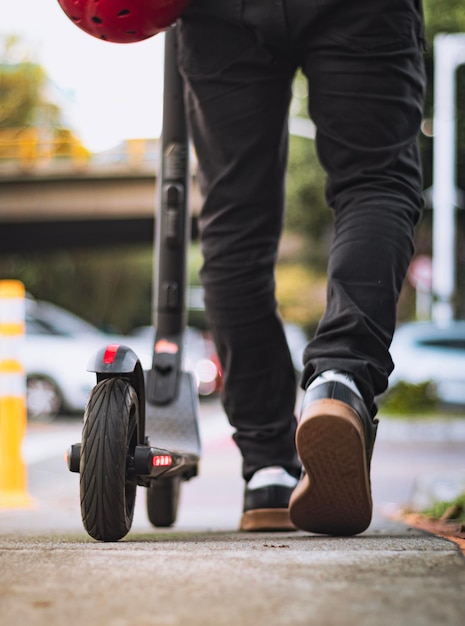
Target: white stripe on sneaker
(342, 377)
(272, 476)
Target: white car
(56, 370)
(58, 348)
(427, 352)
(56, 352)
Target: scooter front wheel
(108, 482)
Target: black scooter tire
(162, 501)
(109, 437)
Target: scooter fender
(117, 360)
(112, 360)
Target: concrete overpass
(53, 205)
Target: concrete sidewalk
(388, 576)
(205, 573)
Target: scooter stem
(172, 235)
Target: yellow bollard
(13, 415)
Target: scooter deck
(174, 426)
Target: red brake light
(110, 354)
(162, 460)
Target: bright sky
(111, 91)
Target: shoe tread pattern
(334, 497)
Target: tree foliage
(305, 190)
(443, 16)
(109, 288)
(307, 212)
(22, 88)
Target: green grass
(452, 510)
(410, 399)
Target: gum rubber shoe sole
(334, 496)
(270, 520)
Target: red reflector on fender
(110, 354)
(162, 460)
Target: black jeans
(363, 61)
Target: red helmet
(123, 21)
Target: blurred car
(59, 345)
(200, 357)
(428, 352)
(57, 349)
(58, 320)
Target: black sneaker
(335, 440)
(266, 501)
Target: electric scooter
(141, 427)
